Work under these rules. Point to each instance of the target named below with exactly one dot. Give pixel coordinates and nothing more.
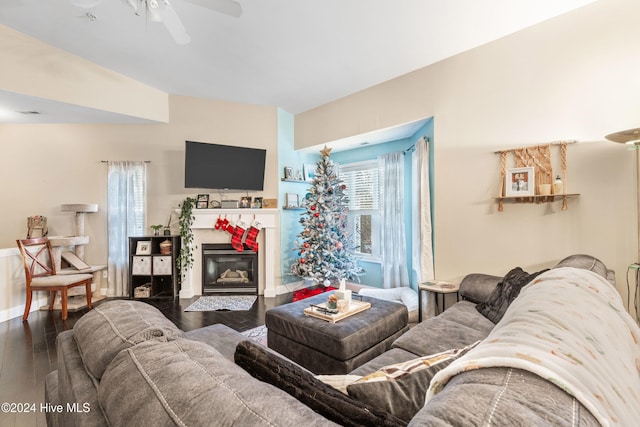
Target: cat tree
(61, 245)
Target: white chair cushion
(59, 280)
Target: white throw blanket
(570, 327)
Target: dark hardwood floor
(28, 349)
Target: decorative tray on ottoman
(321, 312)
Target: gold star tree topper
(325, 151)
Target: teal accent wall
(373, 270)
(289, 219)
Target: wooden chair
(40, 272)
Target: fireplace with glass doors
(227, 271)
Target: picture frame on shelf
(520, 182)
(293, 200)
(257, 203)
(309, 171)
(245, 202)
(143, 247)
(288, 173)
(202, 202)
(297, 175)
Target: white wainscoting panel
(12, 292)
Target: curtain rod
(413, 147)
(107, 161)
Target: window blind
(363, 185)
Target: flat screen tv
(223, 167)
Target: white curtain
(422, 258)
(126, 208)
(393, 242)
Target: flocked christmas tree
(324, 250)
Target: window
(363, 189)
(126, 211)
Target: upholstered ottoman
(334, 348)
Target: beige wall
(31, 67)
(43, 166)
(574, 77)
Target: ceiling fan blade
(228, 7)
(86, 4)
(174, 25)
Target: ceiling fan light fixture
(155, 9)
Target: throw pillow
(494, 307)
(401, 388)
(327, 401)
(339, 382)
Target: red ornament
(302, 260)
(316, 214)
(313, 207)
(306, 245)
(344, 187)
(339, 245)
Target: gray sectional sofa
(125, 364)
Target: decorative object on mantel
(270, 203)
(536, 158)
(203, 201)
(185, 258)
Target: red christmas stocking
(218, 223)
(252, 235)
(227, 226)
(238, 234)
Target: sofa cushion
(301, 384)
(115, 325)
(465, 313)
(445, 331)
(588, 262)
(219, 336)
(494, 307)
(401, 388)
(476, 287)
(502, 397)
(185, 382)
(75, 385)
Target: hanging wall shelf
(531, 180)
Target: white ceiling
(294, 54)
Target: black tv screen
(223, 167)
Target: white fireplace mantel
(204, 231)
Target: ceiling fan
(162, 11)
